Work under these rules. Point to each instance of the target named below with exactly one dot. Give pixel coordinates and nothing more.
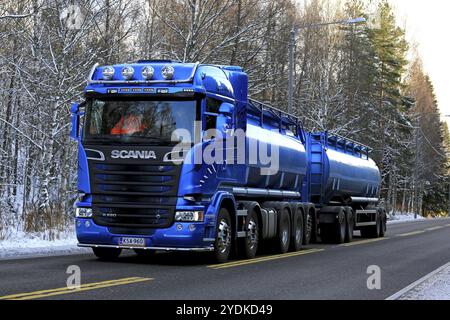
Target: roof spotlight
(167, 72)
(108, 73)
(147, 72)
(127, 72)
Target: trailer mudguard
(331, 215)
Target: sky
(427, 23)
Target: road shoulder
(433, 286)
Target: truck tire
(334, 232)
(284, 230)
(326, 233)
(372, 231)
(224, 236)
(383, 227)
(309, 225)
(349, 225)
(297, 231)
(107, 254)
(251, 242)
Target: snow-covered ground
(433, 287)
(403, 217)
(21, 245)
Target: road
(410, 251)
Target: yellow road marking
(65, 290)
(262, 259)
(362, 242)
(411, 233)
(434, 228)
(448, 225)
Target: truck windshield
(138, 121)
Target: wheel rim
(285, 233)
(343, 228)
(308, 225)
(382, 227)
(252, 234)
(298, 232)
(223, 236)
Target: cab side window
(212, 111)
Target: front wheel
(107, 253)
(224, 236)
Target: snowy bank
(403, 217)
(22, 245)
(434, 286)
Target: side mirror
(75, 121)
(226, 108)
(225, 117)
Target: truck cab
(134, 190)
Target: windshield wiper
(102, 140)
(159, 141)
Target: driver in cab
(130, 123)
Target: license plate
(134, 242)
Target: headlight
(108, 73)
(168, 72)
(83, 213)
(147, 72)
(127, 72)
(189, 216)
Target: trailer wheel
(107, 254)
(284, 230)
(340, 227)
(224, 236)
(326, 233)
(252, 240)
(372, 231)
(383, 228)
(308, 229)
(349, 224)
(297, 231)
(334, 232)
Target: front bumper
(205, 249)
(181, 236)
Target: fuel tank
(276, 160)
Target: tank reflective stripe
(364, 200)
(265, 192)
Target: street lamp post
(292, 49)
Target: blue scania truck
(137, 191)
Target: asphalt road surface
(409, 251)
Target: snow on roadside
(437, 287)
(21, 245)
(403, 217)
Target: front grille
(130, 194)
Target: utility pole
(416, 168)
(291, 70)
(292, 51)
(448, 213)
